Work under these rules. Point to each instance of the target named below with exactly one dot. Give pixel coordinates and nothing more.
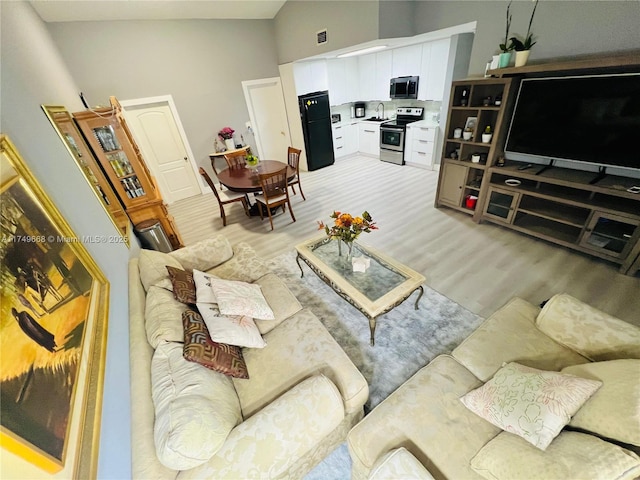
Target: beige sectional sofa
(423, 430)
(302, 397)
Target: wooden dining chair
(225, 197)
(237, 159)
(275, 193)
(293, 159)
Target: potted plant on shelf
(523, 48)
(505, 48)
(487, 134)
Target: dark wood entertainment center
(560, 205)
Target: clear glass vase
(348, 248)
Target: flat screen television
(589, 119)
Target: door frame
(168, 99)
(246, 85)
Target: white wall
(561, 28)
(201, 63)
(33, 73)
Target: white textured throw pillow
(531, 403)
(204, 292)
(195, 408)
(237, 330)
(241, 298)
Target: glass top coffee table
(382, 287)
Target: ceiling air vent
(321, 37)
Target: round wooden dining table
(246, 179)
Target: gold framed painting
(53, 331)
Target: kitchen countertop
(424, 124)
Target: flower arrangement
(226, 133)
(346, 227)
(517, 44)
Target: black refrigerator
(316, 128)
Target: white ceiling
(97, 10)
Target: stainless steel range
(392, 134)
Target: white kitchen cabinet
(420, 144)
(342, 78)
(367, 76)
(407, 61)
(345, 139)
(384, 69)
(369, 138)
(435, 59)
(310, 77)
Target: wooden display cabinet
(110, 139)
(481, 103)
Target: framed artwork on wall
(54, 304)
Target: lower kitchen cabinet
(419, 145)
(345, 139)
(369, 139)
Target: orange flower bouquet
(347, 228)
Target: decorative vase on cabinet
(228, 142)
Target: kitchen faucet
(378, 110)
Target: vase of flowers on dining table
(346, 229)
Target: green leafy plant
(519, 45)
(504, 47)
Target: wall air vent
(321, 37)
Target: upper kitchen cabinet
(342, 76)
(407, 61)
(310, 76)
(374, 73)
(433, 70)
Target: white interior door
(265, 102)
(156, 128)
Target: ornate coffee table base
(372, 320)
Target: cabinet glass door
(610, 234)
(500, 205)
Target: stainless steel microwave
(403, 87)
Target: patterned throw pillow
(204, 293)
(232, 330)
(199, 348)
(241, 298)
(531, 403)
(184, 289)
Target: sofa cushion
(266, 445)
(244, 266)
(531, 403)
(570, 455)
(163, 316)
(230, 329)
(510, 335)
(240, 298)
(199, 348)
(589, 331)
(205, 254)
(283, 303)
(196, 409)
(153, 267)
(426, 413)
(399, 464)
(182, 284)
(297, 349)
(614, 410)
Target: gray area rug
(405, 339)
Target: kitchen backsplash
(431, 109)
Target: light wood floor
(479, 266)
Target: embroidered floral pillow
(232, 330)
(531, 403)
(240, 298)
